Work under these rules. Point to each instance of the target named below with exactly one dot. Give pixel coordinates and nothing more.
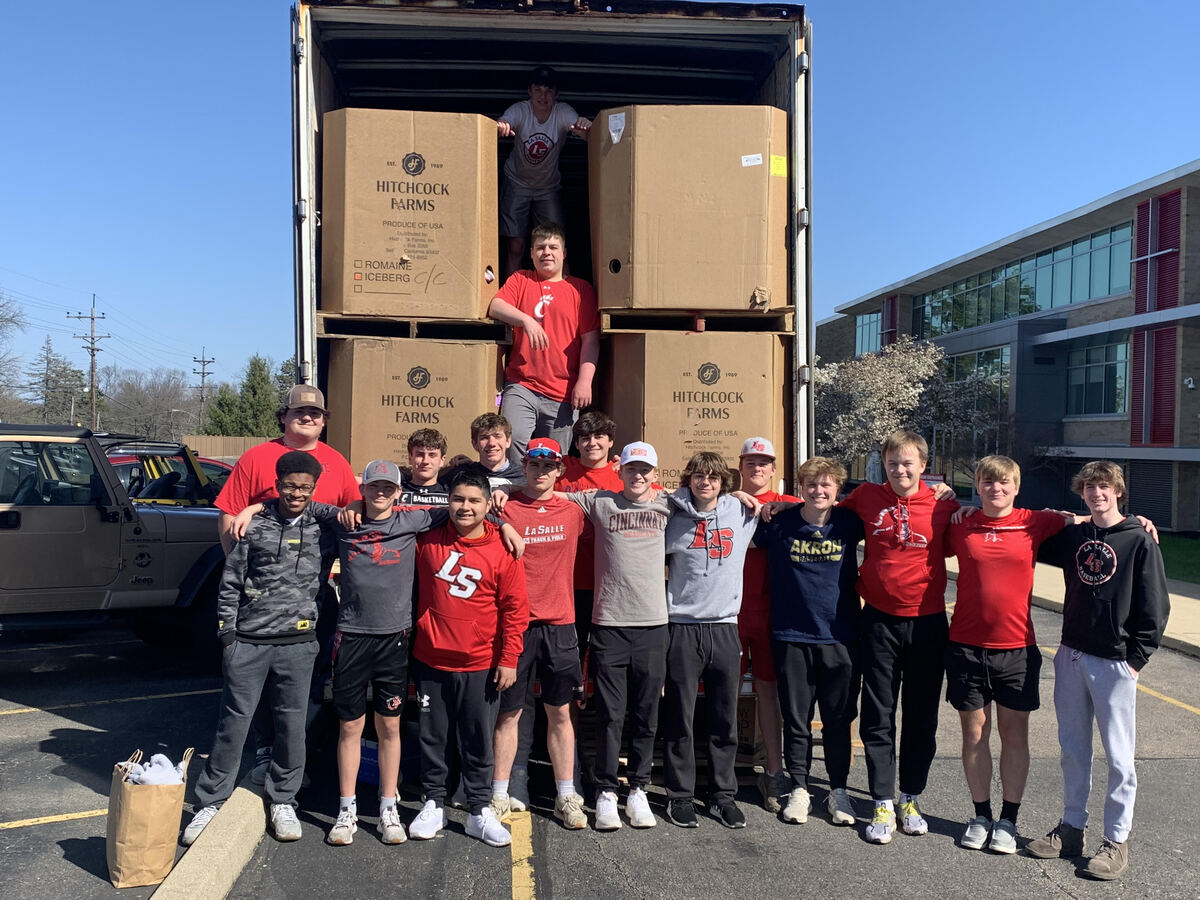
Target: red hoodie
(903, 572)
(473, 608)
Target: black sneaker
(682, 812)
(728, 814)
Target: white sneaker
(199, 820)
(607, 818)
(502, 807)
(1004, 837)
(488, 829)
(516, 804)
(429, 821)
(284, 822)
(390, 829)
(568, 809)
(882, 826)
(798, 806)
(637, 807)
(911, 821)
(840, 807)
(342, 832)
(976, 834)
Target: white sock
(350, 803)
(887, 803)
(565, 788)
(386, 803)
(500, 788)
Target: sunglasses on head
(542, 453)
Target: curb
(211, 866)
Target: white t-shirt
(533, 163)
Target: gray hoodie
(705, 555)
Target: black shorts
(382, 660)
(975, 676)
(551, 652)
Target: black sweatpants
(895, 651)
(810, 674)
(628, 668)
(465, 704)
(712, 652)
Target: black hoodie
(1116, 602)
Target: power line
(89, 345)
(204, 374)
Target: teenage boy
(993, 654)
(426, 455)
(531, 192)
(266, 618)
(551, 527)
(473, 611)
(491, 436)
(706, 543)
(628, 652)
(555, 345)
(903, 630)
(812, 553)
(757, 472)
(1114, 614)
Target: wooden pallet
(342, 325)
(621, 321)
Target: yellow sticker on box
(779, 166)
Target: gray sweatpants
(280, 674)
(535, 415)
(1087, 687)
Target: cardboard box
(687, 391)
(408, 214)
(689, 207)
(382, 390)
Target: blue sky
(146, 152)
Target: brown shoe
(1110, 861)
(1063, 840)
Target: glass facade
(1096, 265)
(1098, 376)
(954, 453)
(866, 333)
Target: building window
(866, 333)
(1098, 377)
(1092, 266)
(954, 453)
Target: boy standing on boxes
(267, 612)
(473, 612)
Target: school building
(1087, 330)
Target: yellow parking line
(43, 820)
(1050, 651)
(522, 856)
(32, 709)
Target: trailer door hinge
(802, 62)
(299, 49)
(301, 210)
(802, 217)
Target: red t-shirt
(903, 572)
(756, 588)
(551, 529)
(995, 576)
(578, 477)
(566, 310)
(472, 608)
(253, 478)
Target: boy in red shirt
(903, 632)
(551, 527)
(992, 653)
(473, 610)
(556, 342)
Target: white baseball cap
(758, 446)
(639, 451)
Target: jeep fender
(210, 564)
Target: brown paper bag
(143, 826)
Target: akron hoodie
(706, 552)
(1116, 603)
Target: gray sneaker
(976, 834)
(798, 806)
(284, 822)
(201, 819)
(568, 809)
(840, 807)
(1004, 837)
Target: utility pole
(203, 373)
(89, 345)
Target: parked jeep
(77, 549)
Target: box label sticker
(616, 126)
(753, 159)
(779, 166)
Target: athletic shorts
(755, 634)
(551, 654)
(522, 210)
(975, 676)
(382, 660)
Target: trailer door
(304, 207)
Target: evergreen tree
(56, 388)
(260, 398)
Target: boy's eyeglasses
(297, 490)
(542, 453)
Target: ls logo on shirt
(464, 581)
(718, 542)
